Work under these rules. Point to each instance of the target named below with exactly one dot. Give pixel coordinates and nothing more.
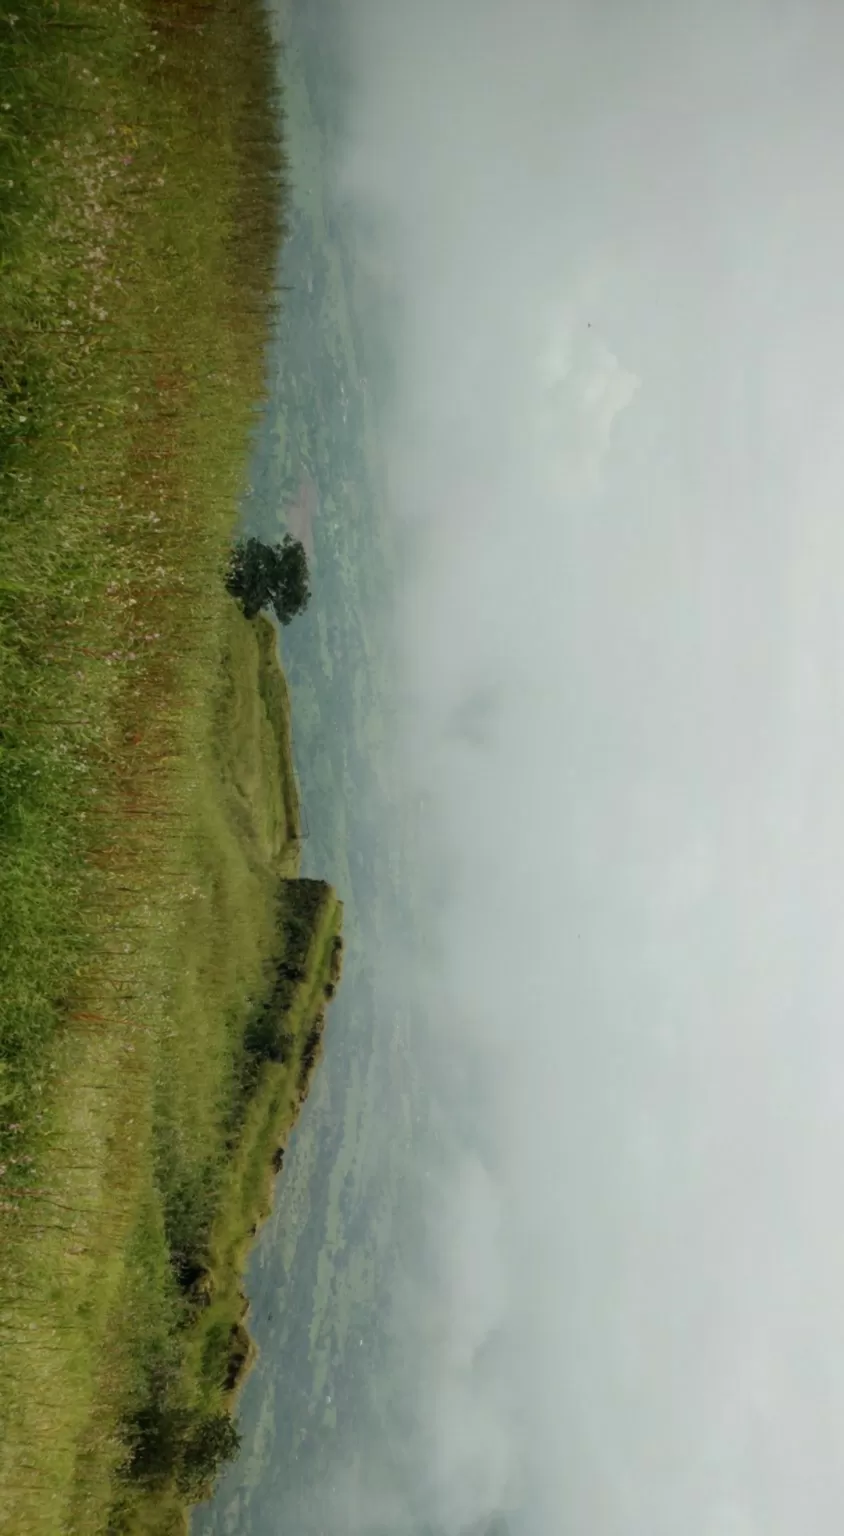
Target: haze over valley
(591, 262)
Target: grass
(279, 1090)
(217, 1156)
(155, 1171)
(147, 802)
(134, 303)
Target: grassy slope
(144, 821)
(190, 1169)
(223, 1110)
(137, 253)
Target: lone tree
(270, 576)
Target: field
(139, 182)
(121, 1288)
(149, 828)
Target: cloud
(616, 435)
(583, 389)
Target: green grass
(160, 1165)
(270, 1114)
(139, 176)
(148, 810)
(217, 1154)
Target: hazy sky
(617, 230)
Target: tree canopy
(270, 576)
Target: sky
(616, 232)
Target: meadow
(149, 823)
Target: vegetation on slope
(148, 816)
(139, 174)
(191, 1357)
(136, 1287)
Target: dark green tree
(270, 576)
(168, 1442)
(210, 1443)
(156, 1436)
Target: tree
(212, 1441)
(270, 576)
(179, 1443)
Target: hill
(124, 1326)
(149, 821)
(246, 1055)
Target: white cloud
(642, 910)
(583, 389)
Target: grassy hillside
(123, 1319)
(216, 1156)
(140, 181)
(148, 813)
